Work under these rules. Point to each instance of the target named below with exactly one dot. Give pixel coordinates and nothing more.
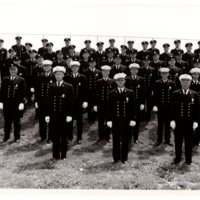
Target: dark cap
(59, 51)
(68, 57)
(16, 58)
(72, 46)
(188, 44)
(153, 41)
(117, 56)
(39, 56)
(130, 42)
(91, 59)
(44, 40)
(197, 60)
(171, 57)
(13, 66)
(155, 53)
(133, 51)
(87, 41)
(166, 45)
(111, 40)
(18, 38)
(124, 46)
(85, 51)
(67, 39)
(49, 44)
(177, 41)
(28, 44)
(147, 58)
(10, 50)
(33, 51)
(178, 53)
(100, 43)
(144, 42)
(1, 40)
(198, 42)
(110, 50)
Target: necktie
(121, 91)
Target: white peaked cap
(195, 70)
(74, 63)
(106, 67)
(59, 69)
(185, 76)
(119, 75)
(47, 62)
(134, 65)
(164, 69)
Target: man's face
(156, 57)
(185, 84)
(92, 64)
(12, 53)
(40, 60)
(87, 45)
(18, 42)
(123, 50)
(189, 48)
(28, 47)
(67, 43)
(195, 76)
(166, 49)
(130, 45)
(47, 68)
(110, 55)
(134, 71)
(164, 75)
(120, 82)
(145, 46)
(50, 47)
(105, 73)
(177, 45)
(153, 45)
(75, 69)
(59, 56)
(100, 47)
(117, 61)
(197, 64)
(13, 71)
(179, 57)
(86, 55)
(44, 44)
(112, 43)
(69, 60)
(59, 76)
(71, 50)
(172, 62)
(133, 55)
(32, 55)
(146, 62)
(1, 44)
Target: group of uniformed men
(118, 89)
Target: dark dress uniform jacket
(143, 54)
(165, 57)
(50, 56)
(12, 93)
(60, 63)
(175, 51)
(19, 50)
(189, 58)
(183, 65)
(174, 74)
(61, 101)
(42, 51)
(42, 91)
(114, 49)
(90, 50)
(118, 69)
(100, 57)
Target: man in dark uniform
(118, 67)
(177, 47)
(188, 56)
(12, 98)
(156, 63)
(148, 73)
(3, 57)
(130, 47)
(88, 48)
(104, 86)
(84, 62)
(183, 65)
(141, 55)
(50, 54)
(165, 55)
(197, 51)
(195, 86)
(133, 58)
(174, 72)
(44, 80)
(42, 50)
(112, 47)
(162, 93)
(18, 48)
(184, 118)
(137, 85)
(59, 112)
(110, 58)
(92, 74)
(59, 61)
(26, 54)
(65, 49)
(124, 56)
(120, 117)
(72, 53)
(153, 49)
(100, 55)
(79, 83)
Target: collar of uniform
(107, 78)
(187, 91)
(13, 77)
(164, 81)
(92, 69)
(60, 83)
(77, 74)
(195, 81)
(134, 77)
(119, 89)
(47, 74)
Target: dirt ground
(89, 165)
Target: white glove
(155, 109)
(1, 106)
(132, 123)
(47, 119)
(85, 104)
(142, 107)
(195, 125)
(68, 119)
(36, 104)
(95, 108)
(32, 90)
(173, 124)
(109, 124)
(21, 106)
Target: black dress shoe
(79, 142)
(49, 141)
(17, 140)
(108, 140)
(5, 139)
(168, 143)
(157, 144)
(136, 141)
(42, 140)
(175, 162)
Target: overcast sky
(113, 19)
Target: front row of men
(61, 99)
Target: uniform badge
(79, 83)
(176, 74)
(51, 81)
(192, 100)
(20, 74)
(138, 86)
(16, 86)
(170, 87)
(127, 99)
(96, 75)
(63, 95)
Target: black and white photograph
(100, 95)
